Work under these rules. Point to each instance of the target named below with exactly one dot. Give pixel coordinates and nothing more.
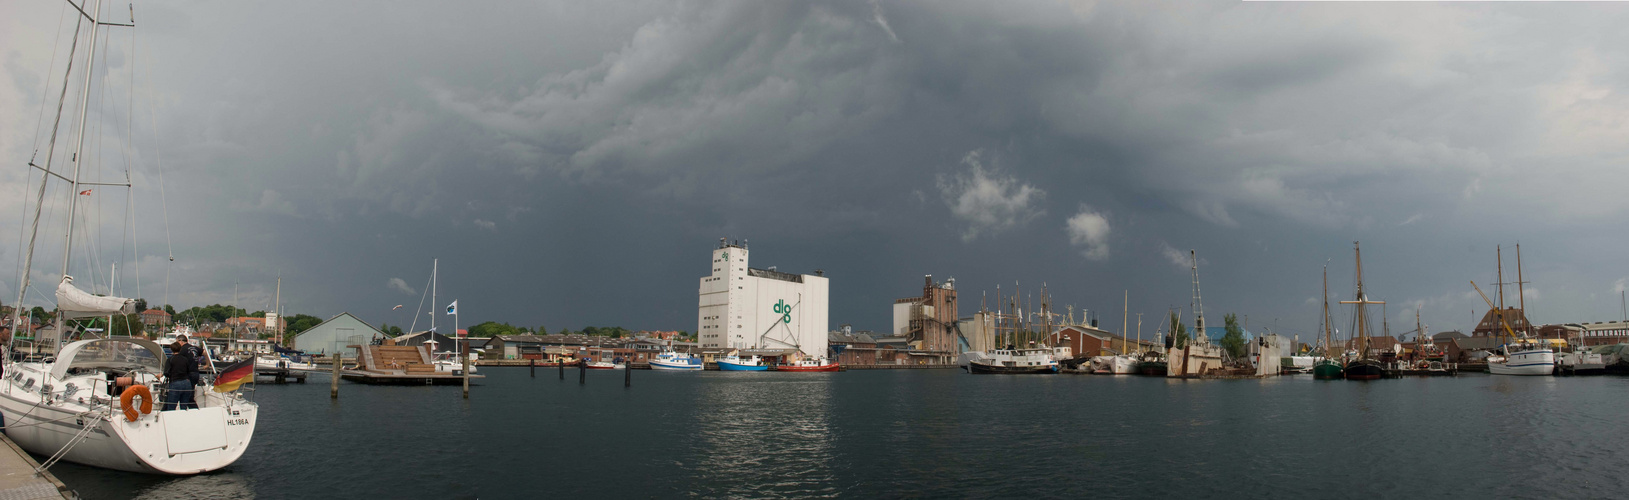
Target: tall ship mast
(1363, 367)
(1328, 368)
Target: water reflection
(201, 487)
(766, 435)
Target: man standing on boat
(182, 372)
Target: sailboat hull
(1365, 369)
(996, 369)
(177, 442)
(1328, 370)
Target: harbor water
(920, 433)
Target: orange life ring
(129, 395)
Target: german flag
(235, 375)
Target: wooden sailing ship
(1362, 366)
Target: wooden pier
(399, 365)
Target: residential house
(155, 318)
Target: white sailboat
(93, 403)
(1523, 356)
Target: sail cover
(75, 303)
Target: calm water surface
(921, 433)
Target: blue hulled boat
(735, 363)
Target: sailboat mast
(1499, 253)
(278, 307)
(78, 160)
(435, 264)
(1521, 292)
(1329, 341)
(1125, 312)
(1139, 332)
(1198, 305)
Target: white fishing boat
(1016, 361)
(94, 402)
(670, 360)
(1522, 359)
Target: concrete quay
(18, 480)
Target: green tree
(128, 325)
(492, 328)
(1179, 331)
(141, 305)
(541, 330)
(1233, 341)
(169, 309)
(300, 323)
(389, 329)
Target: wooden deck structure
(398, 365)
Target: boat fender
(128, 398)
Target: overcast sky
(573, 164)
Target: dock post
(532, 363)
(333, 384)
(627, 374)
(466, 371)
(582, 372)
(561, 364)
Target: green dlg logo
(784, 310)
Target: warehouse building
(760, 311)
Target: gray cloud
(1267, 136)
(1091, 230)
(986, 201)
(401, 285)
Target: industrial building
(929, 322)
(760, 311)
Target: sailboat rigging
(80, 405)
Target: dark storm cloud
(570, 162)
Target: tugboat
(1015, 361)
(1363, 368)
